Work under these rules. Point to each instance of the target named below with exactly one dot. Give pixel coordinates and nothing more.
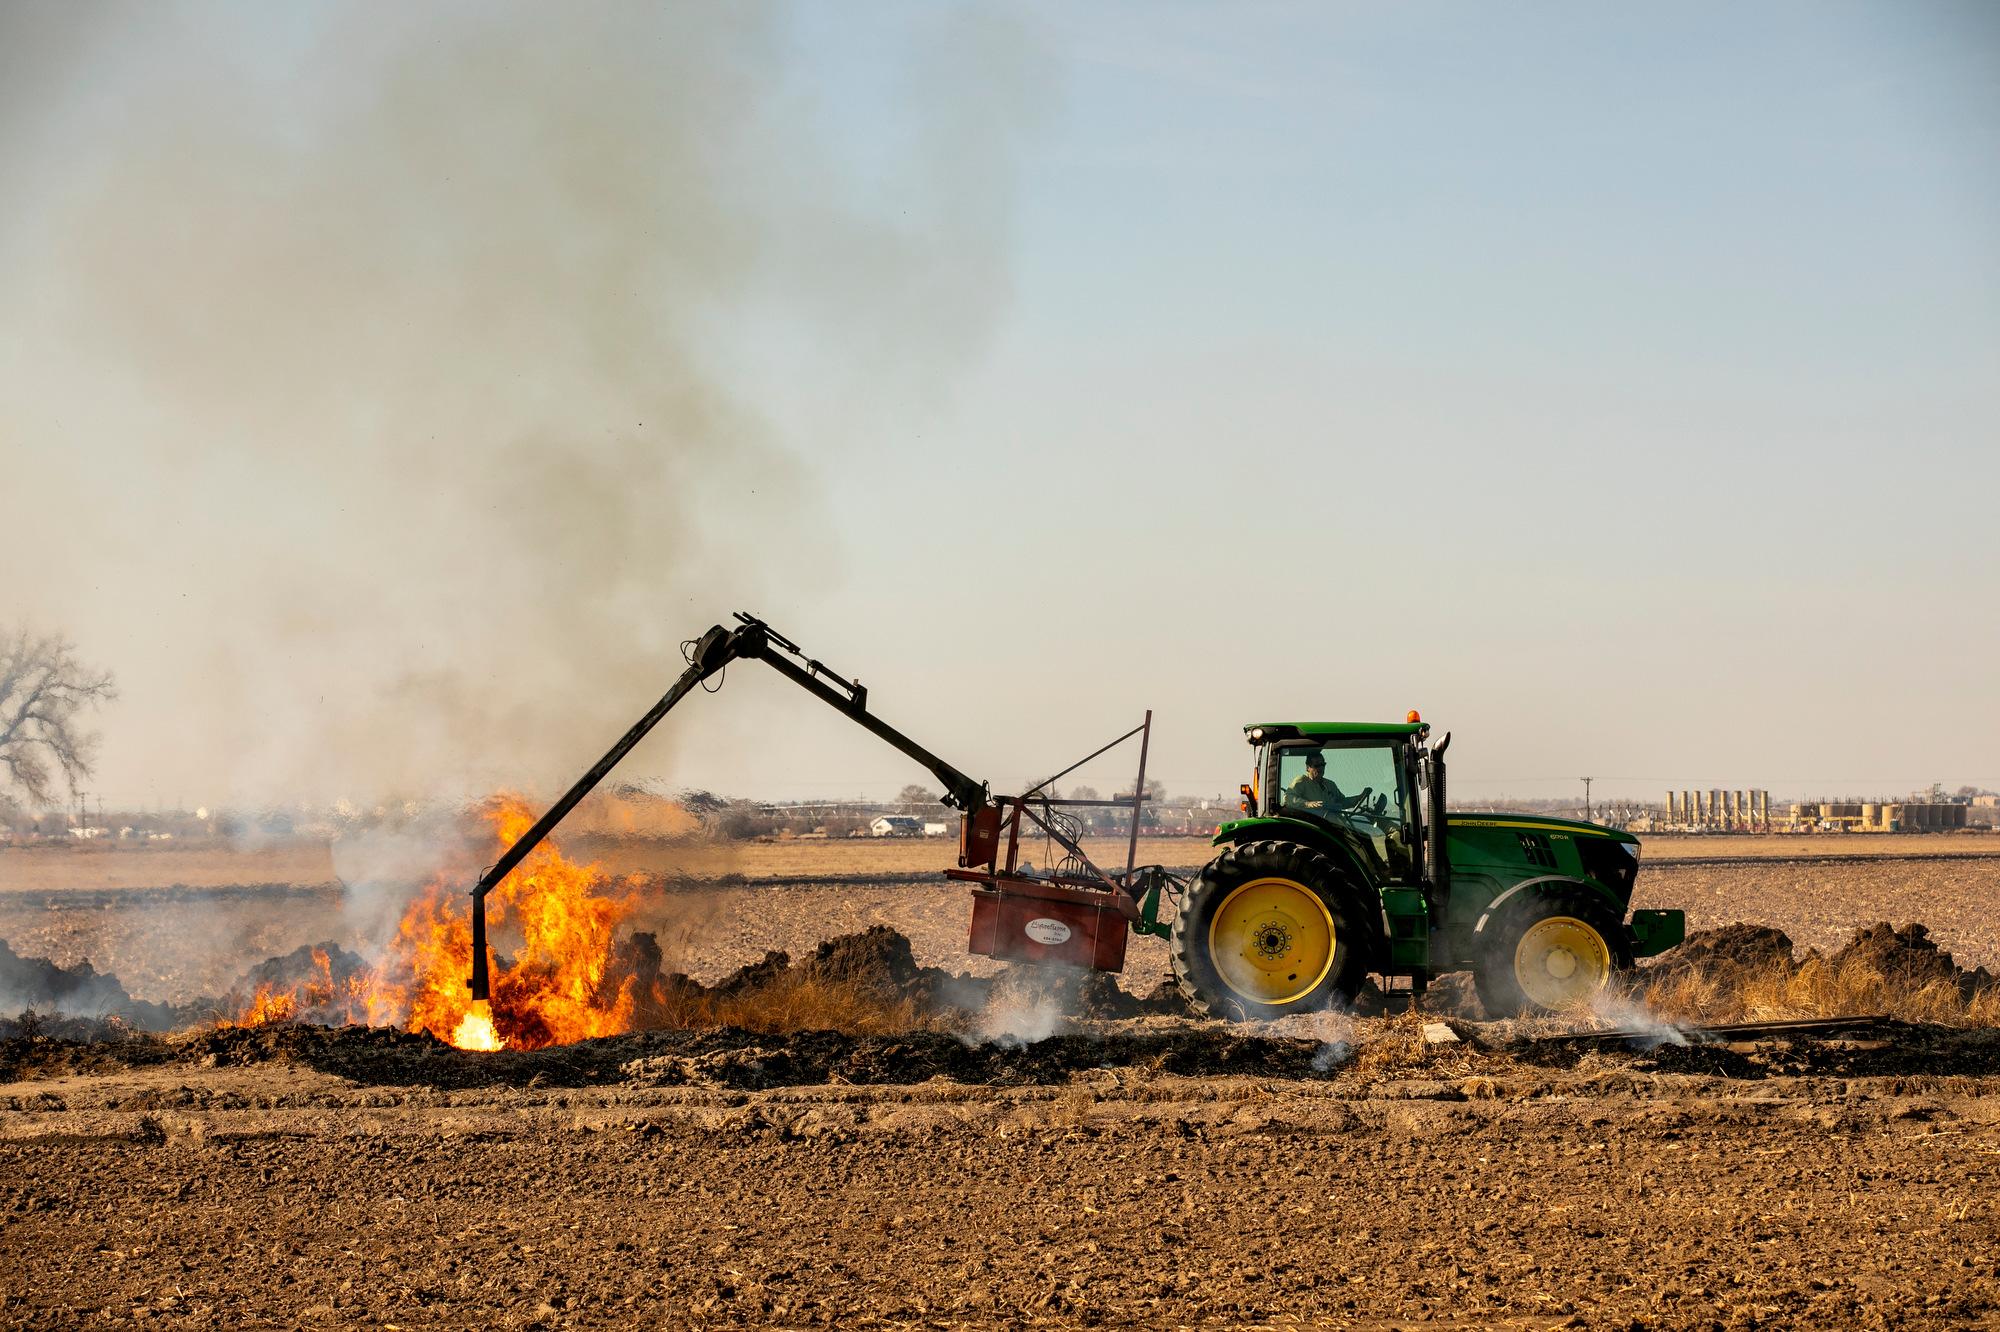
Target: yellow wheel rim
(1561, 961)
(1272, 941)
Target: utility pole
(1588, 817)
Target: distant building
(896, 825)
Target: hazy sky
(384, 395)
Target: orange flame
(563, 984)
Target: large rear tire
(1271, 928)
(1557, 949)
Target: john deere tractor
(1346, 864)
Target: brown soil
(1820, 905)
(1146, 1169)
(212, 865)
(1139, 1174)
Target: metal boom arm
(707, 656)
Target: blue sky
(1644, 366)
(1618, 386)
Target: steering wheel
(1373, 817)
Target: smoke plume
(390, 380)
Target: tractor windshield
(1356, 787)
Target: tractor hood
(1535, 823)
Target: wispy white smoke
(386, 363)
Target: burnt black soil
(1873, 1050)
(734, 1058)
(726, 1057)
(39, 985)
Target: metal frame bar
(1124, 891)
(1143, 726)
(1139, 796)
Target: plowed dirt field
(1156, 1171)
(1108, 1181)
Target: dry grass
(1815, 988)
(1396, 1044)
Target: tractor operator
(1312, 791)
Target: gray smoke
(392, 375)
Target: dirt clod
(878, 958)
(1909, 957)
(1740, 946)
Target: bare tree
(914, 795)
(42, 689)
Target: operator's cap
(1315, 759)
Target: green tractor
(1346, 864)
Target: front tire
(1558, 949)
(1271, 928)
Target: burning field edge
(860, 1011)
(582, 996)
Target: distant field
(46, 869)
(1672, 846)
(861, 857)
(51, 869)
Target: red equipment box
(1021, 920)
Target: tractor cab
(1360, 787)
(1368, 785)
